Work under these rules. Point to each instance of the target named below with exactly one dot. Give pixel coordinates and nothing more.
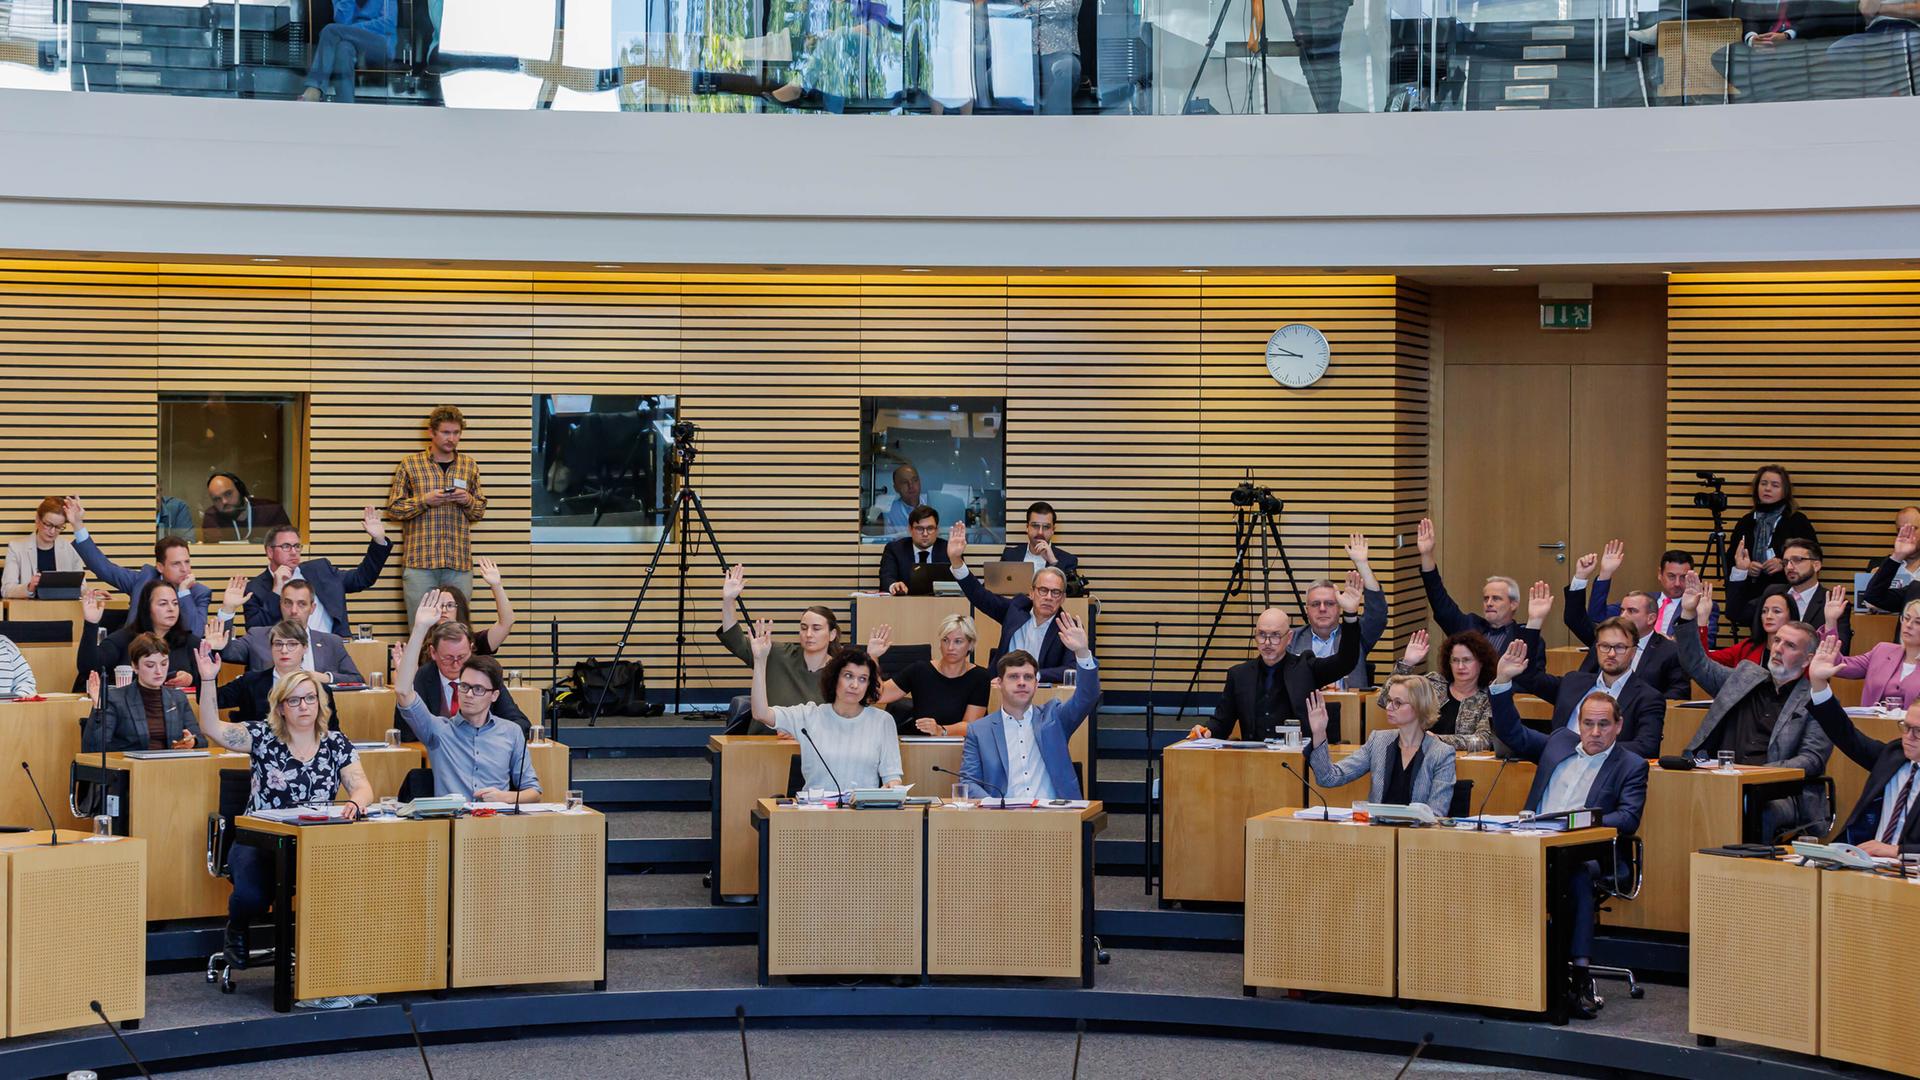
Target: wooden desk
(387, 767)
(746, 769)
(1754, 954)
(875, 859)
(510, 871)
(1868, 982)
(553, 765)
(918, 756)
(347, 945)
(46, 736)
(1564, 658)
(76, 918)
(1320, 905)
(1208, 797)
(371, 657)
(1683, 720)
(1515, 781)
(1686, 811)
(968, 856)
(168, 801)
(1871, 630)
(1505, 881)
(528, 698)
(915, 619)
(365, 715)
(1848, 777)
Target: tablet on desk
(60, 585)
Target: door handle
(1559, 549)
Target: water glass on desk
(378, 680)
(393, 738)
(536, 735)
(575, 798)
(1726, 761)
(1068, 678)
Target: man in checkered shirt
(436, 497)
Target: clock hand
(1284, 352)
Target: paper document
(295, 813)
(1325, 813)
(525, 808)
(1493, 821)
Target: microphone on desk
(823, 763)
(1079, 1034)
(51, 824)
(513, 777)
(1326, 809)
(1480, 819)
(972, 780)
(746, 1062)
(1425, 1041)
(406, 1010)
(137, 1063)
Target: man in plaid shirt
(436, 497)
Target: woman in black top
(948, 692)
(155, 611)
(1761, 533)
(455, 608)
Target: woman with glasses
(1405, 761)
(1889, 673)
(454, 607)
(45, 552)
(250, 695)
(1465, 719)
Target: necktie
(925, 557)
(453, 698)
(1891, 834)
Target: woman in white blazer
(1407, 764)
(30, 556)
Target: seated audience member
(328, 584)
(1884, 822)
(1020, 752)
(1889, 673)
(906, 499)
(1760, 713)
(16, 675)
(45, 552)
(454, 607)
(361, 35)
(1655, 662)
(1768, 618)
(450, 645)
(1759, 538)
(145, 714)
(1642, 708)
(1321, 635)
(1262, 693)
(1577, 769)
(171, 517)
(844, 744)
(1499, 599)
(1806, 597)
(920, 547)
(156, 610)
(793, 668)
(1406, 762)
(1674, 565)
(1039, 549)
(1885, 590)
(948, 692)
(1881, 56)
(1027, 623)
(322, 652)
(1464, 720)
(234, 515)
(475, 753)
(296, 762)
(173, 564)
(250, 694)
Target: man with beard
(235, 514)
(1641, 712)
(1806, 597)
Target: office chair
(1608, 887)
(236, 788)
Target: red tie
(1780, 20)
(1891, 834)
(453, 690)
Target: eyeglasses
(1910, 730)
(1797, 560)
(1397, 703)
(303, 701)
(1265, 638)
(283, 643)
(471, 690)
(1614, 647)
(285, 547)
(1055, 593)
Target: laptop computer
(921, 579)
(60, 585)
(1008, 578)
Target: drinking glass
(1726, 761)
(363, 632)
(1068, 677)
(536, 735)
(393, 737)
(390, 805)
(378, 681)
(123, 675)
(103, 825)
(574, 799)
(963, 795)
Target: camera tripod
(1256, 513)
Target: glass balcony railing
(972, 56)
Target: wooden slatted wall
(1817, 371)
(1134, 405)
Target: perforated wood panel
(529, 900)
(1501, 880)
(1868, 976)
(346, 942)
(980, 861)
(1755, 952)
(844, 892)
(78, 930)
(1320, 902)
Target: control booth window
(600, 468)
(947, 453)
(232, 466)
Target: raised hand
(93, 605)
(93, 688)
(428, 612)
(1825, 663)
(208, 664)
(1691, 592)
(1539, 603)
(735, 583)
(395, 654)
(1583, 566)
(957, 543)
(1357, 548)
(1317, 716)
(218, 634)
(1423, 537)
(76, 513)
(1513, 662)
(1611, 557)
(880, 641)
(235, 596)
(1836, 604)
(1351, 596)
(489, 572)
(1741, 559)
(1906, 543)
(1706, 599)
(1073, 633)
(1416, 649)
(370, 521)
(761, 640)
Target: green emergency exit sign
(1578, 316)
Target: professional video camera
(1246, 494)
(680, 459)
(1714, 500)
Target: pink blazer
(1876, 671)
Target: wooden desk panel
(1849, 778)
(1501, 878)
(365, 715)
(1346, 794)
(919, 756)
(1754, 952)
(372, 658)
(1208, 797)
(168, 803)
(387, 768)
(1683, 721)
(1686, 811)
(45, 735)
(553, 765)
(77, 922)
(1871, 630)
(876, 856)
(511, 870)
(1515, 781)
(1868, 981)
(54, 666)
(968, 854)
(915, 619)
(1320, 902)
(1564, 658)
(528, 698)
(746, 769)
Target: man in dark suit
(326, 653)
(330, 586)
(1272, 688)
(1575, 768)
(1886, 820)
(1027, 623)
(1039, 549)
(918, 547)
(1642, 710)
(1321, 635)
(1800, 559)
(449, 645)
(1675, 564)
(1654, 662)
(1499, 599)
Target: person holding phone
(437, 499)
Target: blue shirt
(466, 758)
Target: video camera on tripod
(1714, 500)
(1248, 495)
(680, 457)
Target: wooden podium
(746, 769)
(76, 918)
(1754, 954)
(915, 619)
(372, 657)
(1685, 811)
(1867, 989)
(818, 867)
(529, 899)
(46, 736)
(168, 801)
(1035, 862)
(365, 715)
(1319, 909)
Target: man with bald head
(1272, 688)
(1027, 623)
(906, 498)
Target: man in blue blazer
(173, 563)
(1020, 753)
(1029, 623)
(1039, 549)
(1584, 769)
(1643, 708)
(330, 586)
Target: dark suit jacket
(120, 723)
(1643, 709)
(426, 683)
(111, 652)
(1373, 623)
(1881, 593)
(1599, 610)
(330, 587)
(1881, 760)
(1062, 558)
(1619, 793)
(1012, 613)
(896, 560)
(249, 697)
(1659, 665)
(1239, 701)
(1744, 599)
(254, 650)
(1452, 620)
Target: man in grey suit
(326, 653)
(1321, 635)
(1759, 713)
